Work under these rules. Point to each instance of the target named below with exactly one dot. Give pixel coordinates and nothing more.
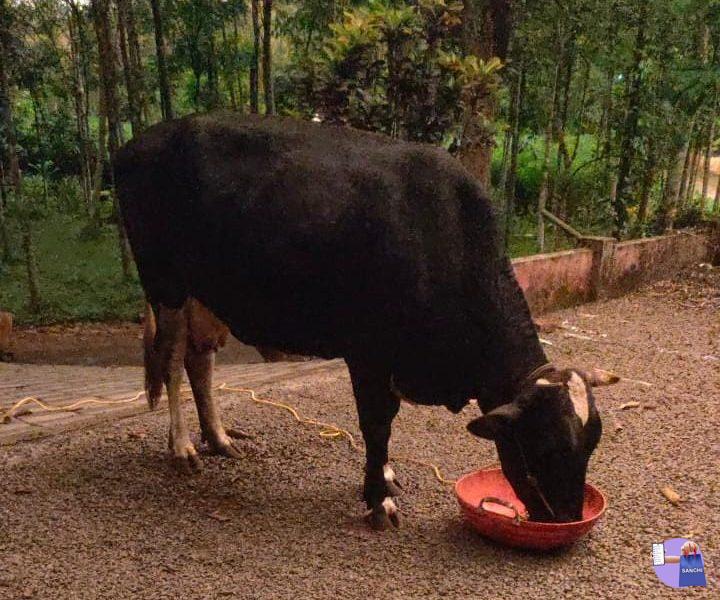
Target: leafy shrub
(397, 69)
(67, 194)
(689, 216)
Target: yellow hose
(328, 430)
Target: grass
(80, 278)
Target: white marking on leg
(173, 329)
(579, 397)
(389, 505)
(389, 474)
(182, 446)
(214, 420)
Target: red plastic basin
(489, 504)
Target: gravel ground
(100, 513)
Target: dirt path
(99, 513)
(100, 345)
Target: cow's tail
(153, 364)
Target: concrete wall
(607, 268)
(642, 261)
(556, 280)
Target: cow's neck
(507, 381)
(517, 342)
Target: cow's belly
(297, 305)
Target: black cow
(332, 242)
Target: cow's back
(312, 239)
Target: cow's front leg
(377, 406)
(171, 344)
(199, 366)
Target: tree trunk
(511, 179)
(6, 248)
(40, 134)
(228, 74)
(132, 77)
(694, 168)
(136, 65)
(236, 63)
(486, 30)
(545, 186)
(79, 92)
(647, 184)
(630, 126)
(563, 156)
(687, 153)
(94, 209)
(212, 75)
(267, 58)
(160, 53)
(31, 265)
(707, 158)
(255, 61)
(108, 77)
(7, 124)
(671, 194)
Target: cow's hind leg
(199, 366)
(171, 346)
(377, 405)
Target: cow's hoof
(225, 447)
(391, 483)
(238, 434)
(186, 460)
(384, 516)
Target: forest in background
(604, 112)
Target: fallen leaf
(579, 337)
(672, 496)
(632, 404)
(218, 516)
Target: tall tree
(7, 122)
(108, 78)
(129, 50)
(630, 126)
(79, 49)
(7, 133)
(708, 156)
(517, 89)
(255, 61)
(267, 58)
(486, 29)
(161, 56)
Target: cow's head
(545, 437)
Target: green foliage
(689, 215)
(397, 69)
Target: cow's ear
(497, 421)
(598, 377)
